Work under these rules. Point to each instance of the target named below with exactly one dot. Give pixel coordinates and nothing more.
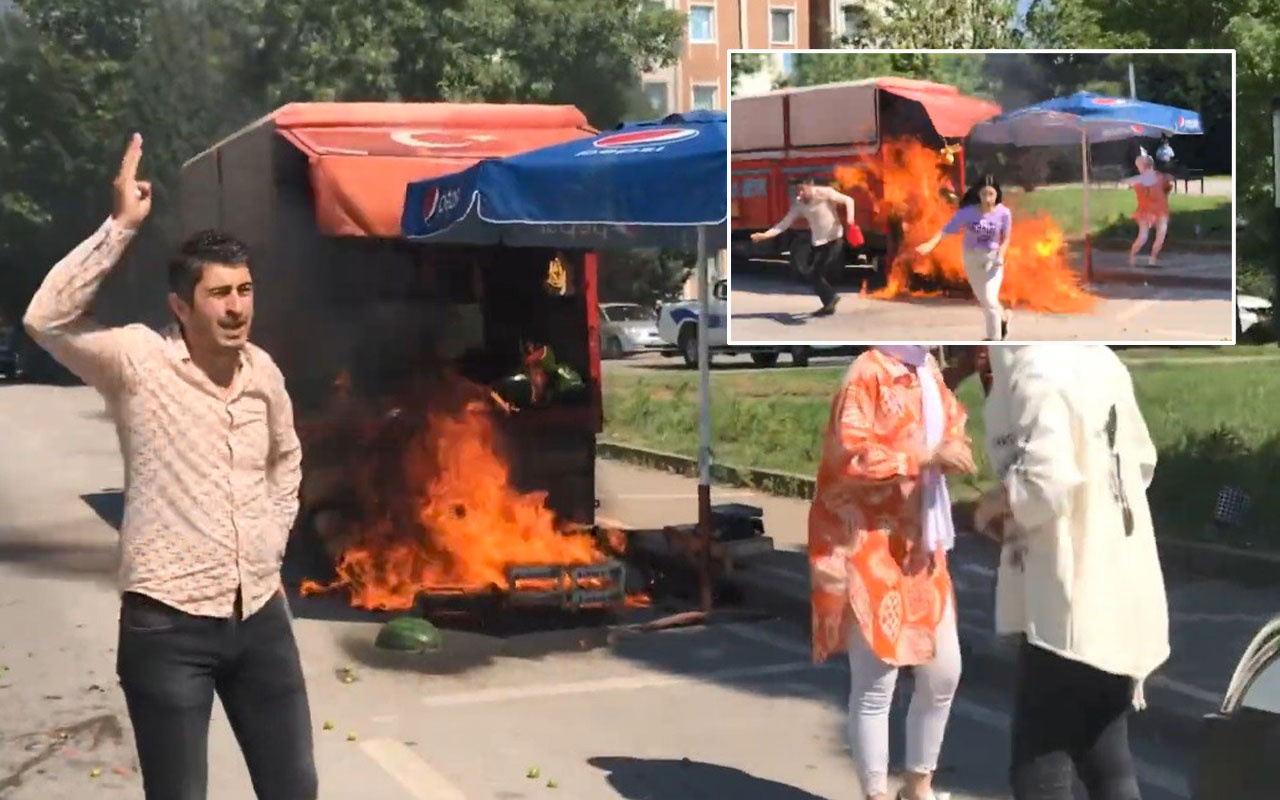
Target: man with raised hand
(212, 468)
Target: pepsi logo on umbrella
(645, 138)
(1109, 101)
(435, 201)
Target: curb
(1204, 560)
(779, 484)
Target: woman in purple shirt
(986, 223)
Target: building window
(702, 24)
(656, 93)
(849, 18)
(782, 26)
(704, 96)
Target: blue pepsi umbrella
(1098, 118)
(646, 184)
(1085, 118)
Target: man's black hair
(206, 247)
(971, 196)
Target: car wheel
(800, 356)
(689, 345)
(612, 348)
(764, 359)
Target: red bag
(853, 235)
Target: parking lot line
(419, 779)
(534, 692)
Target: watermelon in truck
(781, 137)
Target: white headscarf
(938, 526)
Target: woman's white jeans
(871, 685)
(985, 274)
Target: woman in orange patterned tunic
(1152, 188)
(879, 531)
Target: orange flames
(446, 518)
(911, 189)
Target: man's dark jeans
(826, 262)
(170, 665)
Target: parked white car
(627, 328)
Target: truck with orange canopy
(781, 137)
(426, 378)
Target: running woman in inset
(1152, 188)
(987, 224)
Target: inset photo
(887, 196)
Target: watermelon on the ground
(409, 635)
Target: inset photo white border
(775, 157)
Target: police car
(678, 328)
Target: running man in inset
(1152, 188)
(987, 225)
(817, 204)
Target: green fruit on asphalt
(533, 773)
(409, 635)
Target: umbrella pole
(1084, 165)
(704, 426)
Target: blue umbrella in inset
(1086, 118)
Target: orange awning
(953, 114)
(364, 155)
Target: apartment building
(699, 78)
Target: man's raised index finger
(132, 157)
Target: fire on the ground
(916, 195)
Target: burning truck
(897, 147)
(448, 397)
(783, 136)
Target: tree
(1066, 23)
(643, 276)
(744, 64)
(77, 76)
(907, 24)
(584, 52)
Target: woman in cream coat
(1079, 576)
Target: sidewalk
(1202, 270)
(1212, 620)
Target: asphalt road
(726, 711)
(768, 308)
(1211, 621)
